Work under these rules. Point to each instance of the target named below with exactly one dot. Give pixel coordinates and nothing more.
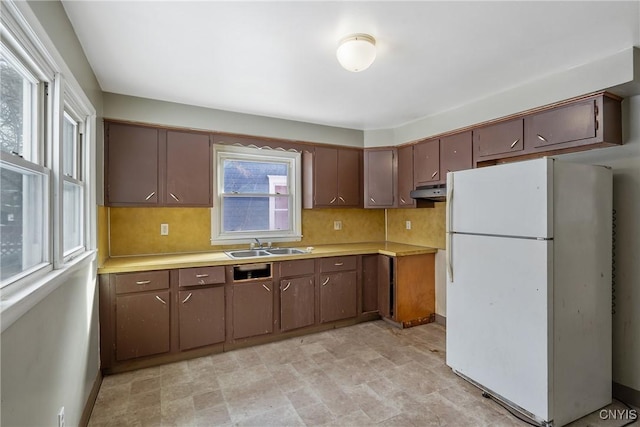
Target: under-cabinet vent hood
(436, 194)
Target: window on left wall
(45, 123)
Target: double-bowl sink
(264, 252)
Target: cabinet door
(337, 296)
(506, 137)
(142, 325)
(297, 303)
(455, 153)
(201, 317)
(349, 178)
(405, 177)
(252, 309)
(426, 162)
(570, 123)
(380, 178)
(370, 283)
(132, 165)
(189, 170)
(325, 176)
(386, 303)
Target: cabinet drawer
(338, 264)
(297, 268)
(201, 276)
(142, 281)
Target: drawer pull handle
(332, 200)
(174, 197)
(161, 300)
(187, 298)
(286, 287)
(266, 287)
(143, 282)
(433, 175)
(150, 195)
(513, 144)
(341, 199)
(325, 282)
(338, 264)
(372, 199)
(201, 275)
(542, 138)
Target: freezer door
(499, 317)
(509, 200)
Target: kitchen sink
(249, 253)
(286, 251)
(256, 253)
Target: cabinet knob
(372, 199)
(325, 282)
(332, 200)
(341, 199)
(161, 300)
(150, 195)
(542, 138)
(174, 197)
(433, 175)
(513, 144)
(187, 298)
(402, 200)
(266, 287)
(286, 287)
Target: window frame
(293, 159)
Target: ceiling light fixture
(357, 52)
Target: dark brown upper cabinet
(455, 153)
(332, 178)
(501, 138)
(380, 176)
(426, 162)
(147, 166)
(131, 173)
(405, 177)
(580, 124)
(189, 171)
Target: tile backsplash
(136, 231)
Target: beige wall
(50, 355)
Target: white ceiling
(278, 59)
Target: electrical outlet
(164, 229)
(61, 417)
(407, 225)
(337, 225)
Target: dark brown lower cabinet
(338, 296)
(252, 309)
(201, 317)
(370, 283)
(297, 303)
(142, 325)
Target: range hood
(436, 194)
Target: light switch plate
(337, 225)
(407, 225)
(164, 229)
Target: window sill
(14, 303)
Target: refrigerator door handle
(448, 254)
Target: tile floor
(363, 375)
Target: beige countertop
(200, 259)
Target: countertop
(126, 264)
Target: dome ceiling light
(357, 52)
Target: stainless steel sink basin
(249, 253)
(286, 251)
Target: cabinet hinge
(46, 89)
(595, 109)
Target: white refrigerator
(529, 285)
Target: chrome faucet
(258, 241)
